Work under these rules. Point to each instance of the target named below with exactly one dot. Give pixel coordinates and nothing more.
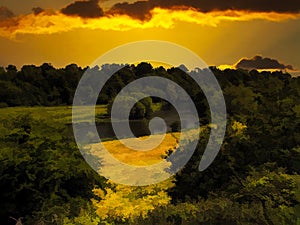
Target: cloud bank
(260, 63)
(139, 15)
(5, 13)
(84, 9)
(142, 9)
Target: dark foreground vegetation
(253, 180)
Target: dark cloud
(141, 9)
(84, 9)
(37, 10)
(5, 13)
(261, 63)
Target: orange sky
(218, 37)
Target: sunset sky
(221, 32)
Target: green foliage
(263, 197)
(42, 173)
(86, 217)
(43, 85)
(218, 211)
(123, 204)
(141, 109)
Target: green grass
(59, 114)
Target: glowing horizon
(219, 37)
(50, 22)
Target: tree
(143, 68)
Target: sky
(251, 33)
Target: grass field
(139, 158)
(112, 165)
(59, 114)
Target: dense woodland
(253, 180)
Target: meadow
(56, 114)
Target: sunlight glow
(55, 22)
